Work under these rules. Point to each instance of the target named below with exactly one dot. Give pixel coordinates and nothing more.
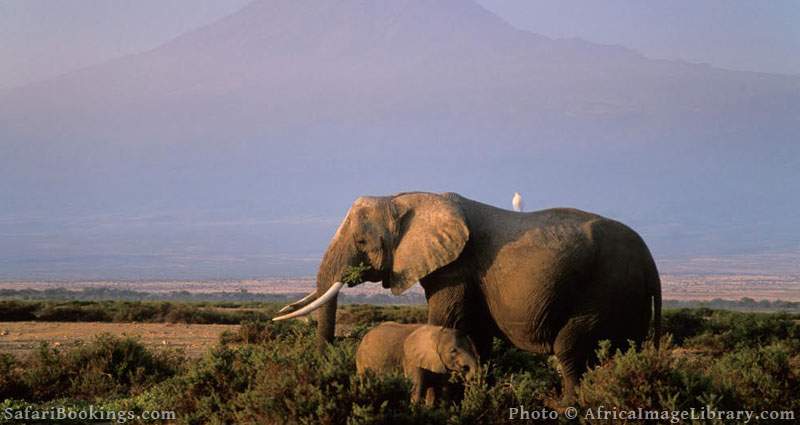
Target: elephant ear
(432, 231)
(421, 349)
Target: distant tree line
(742, 304)
(97, 294)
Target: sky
(140, 169)
(43, 38)
(733, 34)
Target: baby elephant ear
(420, 349)
(433, 232)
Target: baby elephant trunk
(470, 368)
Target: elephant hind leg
(574, 347)
(573, 365)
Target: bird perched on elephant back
(417, 349)
(555, 281)
(517, 203)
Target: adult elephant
(555, 281)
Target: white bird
(516, 202)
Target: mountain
(234, 150)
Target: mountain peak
(341, 27)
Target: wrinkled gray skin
(418, 350)
(554, 281)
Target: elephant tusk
(298, 304)
(319, 302)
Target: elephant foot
(568, 397)
(560, 405)
(568, 400)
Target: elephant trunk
(472, 369)
(325, 297)
(340, 255)
(326, 323)
(337, 257)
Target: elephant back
(381, 349)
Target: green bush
(255, 332)
(287, 380)
(133, 311)
(764, 378)
(284, 379)
(273, 372)
(719, 330)
(684, 323)
(11, 384)
(725, 331)
(18, 311)
(73, 313)
(140, 312)
(355, 314)
(651, 379)
(106, 367)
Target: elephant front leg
(447, 304)
(419, 385)
(460, 306)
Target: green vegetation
(272, 372)
(197, 313)
(133, 311)
(718, 331)
(354, 274)
(243, 296)
(742, 304)
(762, 378)
(106, 367)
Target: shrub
(287, 380)
(120, 366)
(11, 385)
(727, 331)
(108, 366)
(140, 312)
(764, 378)
(18, 311)
(490, 394)
(355, 314)
(273, 372)
(73, 313)
(256, 332)
(132, 311)
(651, 379)
(684, 323)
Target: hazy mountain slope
(293, 108)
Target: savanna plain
(226, 362)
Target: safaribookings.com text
(89, 414)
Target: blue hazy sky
(43, 38)
(222, 156)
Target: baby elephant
(424, 352)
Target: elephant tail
(656, 282)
